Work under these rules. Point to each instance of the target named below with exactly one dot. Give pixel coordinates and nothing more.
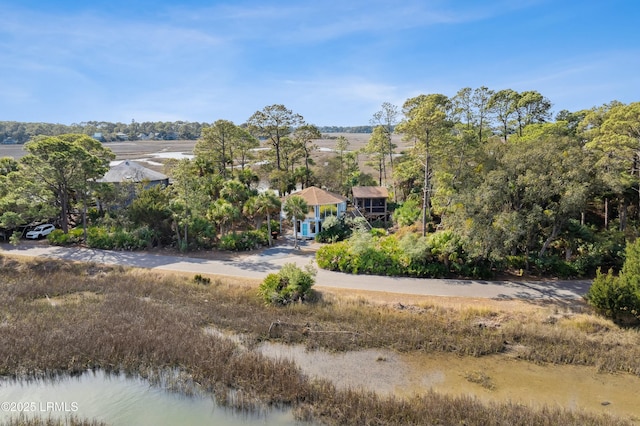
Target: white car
(40, 231)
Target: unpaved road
(270, 260)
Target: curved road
(270, 260)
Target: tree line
(19, 132)
(22, 132)
(517, 186)
(494, 167)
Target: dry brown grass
(149, 323)
(48, 421)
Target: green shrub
(334, 229)
(334, 257)
(606, 252)
(118, 238)
(202, 233)
(228, 242)
(146, 237)
(408, 213)
(593, 256)
(631, 266)
(617, 298)
(242, 241)
(444, 243)
(414, 248)
(98, 237)
(552, 265)
(361, 241)
(199, 279)
(516, 262)
(327, 256)
(479, 268)
(290, 284)
(275, 226)
(378, 232)
(124, 240)
(412, 255)
(357, 223)
(59, 238)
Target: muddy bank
(497, 378)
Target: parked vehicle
(40, 231)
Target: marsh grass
(49, 421)
(481, 378)
(152, 325)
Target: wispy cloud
(34, 33)
(335, 61)
(309, 22)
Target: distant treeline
(346, 129)
(19, 132)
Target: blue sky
(334, 62)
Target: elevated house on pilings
(370, 202)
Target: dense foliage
(443, 254)
(514, 187)
(18, 132)
(437, 255)
(290, 284)
(335, 229)
(618, 297)
(519, 190)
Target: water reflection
(118, 400)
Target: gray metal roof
(130, 171)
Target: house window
(328, 210)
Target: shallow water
(490, 378)
(118, 400)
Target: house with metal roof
(125, 176)
(131, 172)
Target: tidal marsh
(142, 323)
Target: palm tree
(222, 212)
(264, 203)
(250, 210)
(296, 208)
(235, 192)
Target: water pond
(119, 400)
